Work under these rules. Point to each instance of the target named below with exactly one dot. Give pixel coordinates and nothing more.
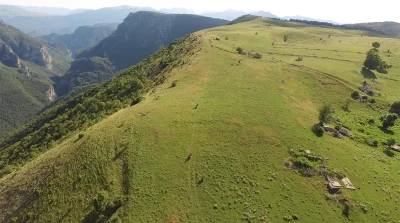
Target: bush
(388, 120)
(174, 83)
(372, 101)
(258, 56)
(303, 162)
(285, 37)
(391, 142)
(325, 113)
(396, 107)
(318, 130)
(355, 94)
(101, 201)
(240, 50)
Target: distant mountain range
(140, 35)
(298, 17)
(82, 38)
(38, 21)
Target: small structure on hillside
(333, 185)
(395, 148)
(348, 184)
(327, 128)
(217, 38)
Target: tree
(240, 50)
(325, 113)
(376, 45)
(373, 60)
(395, 108)
(388, 120)
(391, 142)
(285, 37)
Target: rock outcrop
(8, 57)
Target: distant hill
(53, 10)
(26, 68)
(234, 14)
(143, 33)
(244, 18)
(389, 28)
(298, 17)
(82, 38)
(10, 11)
(54, 24)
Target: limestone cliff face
(39, 56)
(8, 57)
(51, 94)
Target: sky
(342, 11)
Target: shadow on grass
(389, 153)
(387, 131)
(368, 74)
(95, 217)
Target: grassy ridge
(250, 114)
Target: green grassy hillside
(246, 122)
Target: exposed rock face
(8, 57)
(40, 56)
(51, 94)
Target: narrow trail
(315, 49)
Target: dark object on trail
(299, 59)
(283, 81)
(273, 44)
(217, 38)
(80, 136)
(189, 157)
(197, 105)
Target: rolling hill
(200, 133)
(389, 28)
(26, 68)
(82, 38)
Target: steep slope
(26, 68)
(84, 72)
(389, 28)
(55, 24)
(241, 118)
(143, 33)
(82, 38)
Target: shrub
(101, 201)
(391, 142)
(325, 113)
(174, 83)
(355, 94)
(372, 101)
(396, 107)
(285, 37)
(375, 143)
(388, 120)
(303, 162)
(318, 130)
(240, 50)
(376, 45)
(258, 56)
(371, 121)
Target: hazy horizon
(340, 11)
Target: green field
(250, 114)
